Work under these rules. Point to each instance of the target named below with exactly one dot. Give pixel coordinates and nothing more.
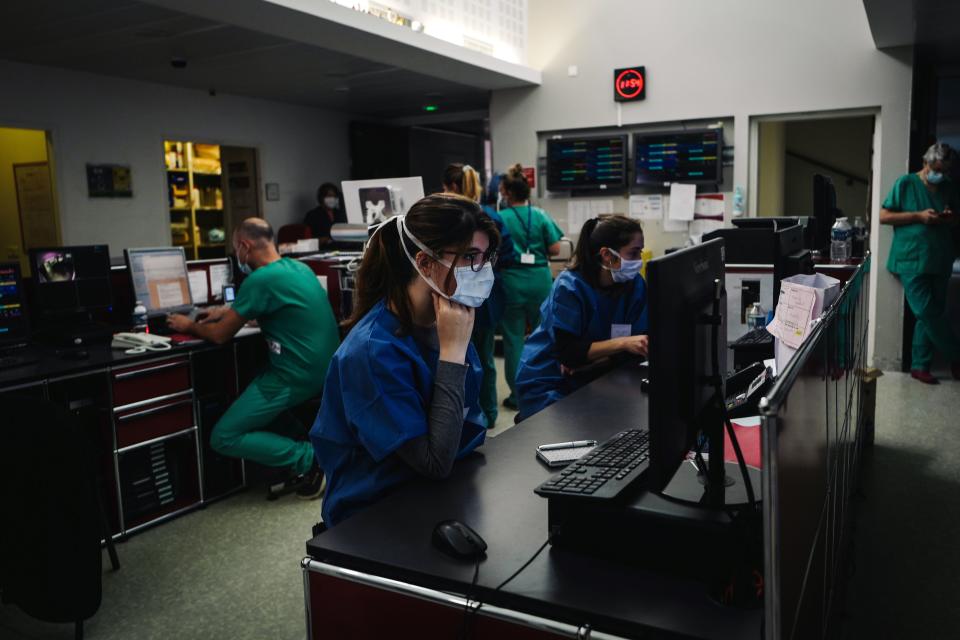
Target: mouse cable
(525, 564)
(467, 611)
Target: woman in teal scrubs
(526, 282)
(922, 207)
(596, 314)
(401, 397)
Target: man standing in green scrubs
(295, 317)
(923, 208)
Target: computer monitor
(825, 210)
(71, 280)
(595, 163)
(693, 157)
(160, 280)
(685, 293)
(14, 326)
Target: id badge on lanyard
(527, 257)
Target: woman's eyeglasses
(476, 259)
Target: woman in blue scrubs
(401, 398)
(596, 314)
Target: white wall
(95, 119)
(708, 59)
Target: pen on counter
(568, 445)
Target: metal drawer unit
(156, 450)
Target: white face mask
(629, 269)
(331, 202)
(473, 287)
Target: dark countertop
(101, 356)
(492, 491)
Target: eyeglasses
(477, 259)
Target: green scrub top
(922, 248)
(296, 319)
(532, 230)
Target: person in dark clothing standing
(329, 213)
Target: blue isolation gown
(376, 397)
(575, 307)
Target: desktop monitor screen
(678, 156)
(159, 277)
(13, 311)
(681, 292)
(71, 279)
(587, 163)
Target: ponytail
(612, 232)
(463, 180)
(516, 185)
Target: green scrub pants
(524, 289)
(483, 341)
(927, 296)
(258, 426)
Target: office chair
(293, 232)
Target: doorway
(790, 152)
(211, 188)
(28, 203)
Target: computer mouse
(74, 354)
(458, 540)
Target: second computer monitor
(682, 290)
(70, 280)
(160, 280)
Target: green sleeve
(255, 299)
(551, 231)
(895, 199)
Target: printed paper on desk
(682, 198)
(220, 274)
(794, 312)
(709, 206)
(646, 207)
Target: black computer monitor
(14, 325)
(70, 280)
(690, 156)
(159, 278)
(685, 291)
(587, 163)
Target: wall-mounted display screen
(678, 156)
(587, 163)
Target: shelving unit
(195, 198)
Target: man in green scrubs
(295, 317)
(923, 208)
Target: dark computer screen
(13, 311)
(681, 292)
(678, 156)
(159, 278)
(71, 279)
(587, 163)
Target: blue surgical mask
(245, 269)
(473, 287)
(629, 269)
(934, 177)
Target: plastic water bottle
(860, 237)
(841, 241)
(139, 318)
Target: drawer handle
(148, 412)
(126, 375)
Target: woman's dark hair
(612, 232)
(515, 184)
(439, 221)
(463, 180)
(324, 188)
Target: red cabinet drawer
(154, 420)
(150, 380)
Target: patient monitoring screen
(160, 278)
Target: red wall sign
(530, 174)
(629, 84)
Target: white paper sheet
(220, 275)
(307, 245)
(700, 227)
(794, 312)
(199, 289)
(682, 197)
(579, 211)
(675, 226)
(709, 206)
(646, 207)
(601, 207)
(323, 282)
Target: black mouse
(458, 540)
(74, 354)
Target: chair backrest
(293, 232)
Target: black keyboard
(754, 336)
(605, 472)
(9, 362)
